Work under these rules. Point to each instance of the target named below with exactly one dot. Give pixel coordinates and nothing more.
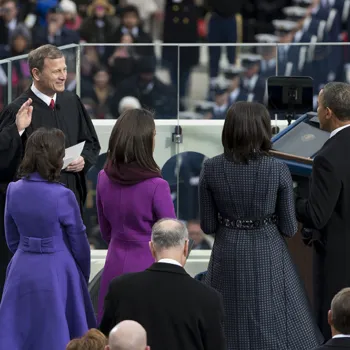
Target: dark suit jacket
(337, 343)
(328, 210)
(177, 311)
(162, 98)
(66, 37)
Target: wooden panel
(287, 156)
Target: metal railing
(77, 52)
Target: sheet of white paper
(72, 154)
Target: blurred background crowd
(165, 55)
(199, 81)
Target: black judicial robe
(71, 117)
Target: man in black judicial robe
(327, 210)
(45, 104)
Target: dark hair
(340, 308)
(246, 132)
(92, 340)
(132, 139)
(336, 96)
(44, 153)
(36, 58)
(99, 68)
(129, 9)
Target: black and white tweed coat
(265, 302)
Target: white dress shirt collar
(315, 9)
(12, 24)
(249, 83)
(341, 336)
(338, 129)
(169, 261)
(134, 31)
(220, 109)
(234, 95)
(307, 23)
(43, 97)
(298, 35)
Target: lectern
(296, 146)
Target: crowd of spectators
(111, 72)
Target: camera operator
(55, 33)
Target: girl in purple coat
(131, 197)
(46, 302)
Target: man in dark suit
(339, 322)
(180, 26)
(55, 32)
(327, 209)
(225, 26)
(176, 311)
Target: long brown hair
(132, 140)
(44, 153)
(246, 132)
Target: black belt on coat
(248, 224)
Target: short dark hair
(132, 139)
(340, 308)
(44, 153)
(129, 9)
(246, 132)
(36, 58)
(336, 97)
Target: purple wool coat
(126, 214)
(46, 302)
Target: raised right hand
(24, 115)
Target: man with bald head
(327, 209)
(176, 311)
(127, 335)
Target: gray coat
(265, 302)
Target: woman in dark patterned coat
(246, 200)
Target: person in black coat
(246, 201)
(8, 20)
(327, 209)
(149, 90)
(131, 25)
(54, 33)
(180, 26)
(339, 322)
(225, 26)
(176, 311)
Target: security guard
(180, 26)
(225, 26)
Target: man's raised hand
(24, 115)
